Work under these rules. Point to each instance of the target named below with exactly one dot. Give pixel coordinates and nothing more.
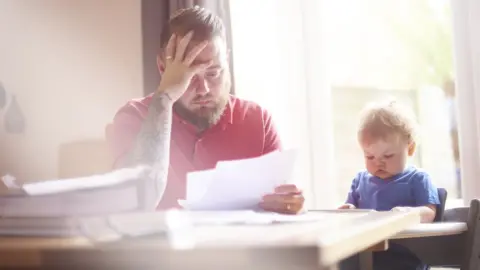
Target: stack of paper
(118, 191)
(53, 207)
(238, 184)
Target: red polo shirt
(245, 130)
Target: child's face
(385, 158)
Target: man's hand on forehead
(192, 44)
(215, 51)
(180, 66)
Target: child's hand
(401, 209)
(347, 206)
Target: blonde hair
(384, 119)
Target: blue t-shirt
(413, 187)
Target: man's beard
(203, 117)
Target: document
(83, 183)
(170, 223)
(181, 223)
(118, 191)
(238, 184)
(198, 182)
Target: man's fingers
(281, 207)
(182, 46)
(288, 188)
(190, 57)
(284, 198)
(347, 206)
(272, 207)
(283, 203)
(170, 49)
(201, 67)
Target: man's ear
(160, 64)
(411, 148)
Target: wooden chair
(86, 157)
(83, 158)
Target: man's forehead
(215, 51)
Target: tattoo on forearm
(152, 146)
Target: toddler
(387, 136)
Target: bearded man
(191, 121)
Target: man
(192, 115)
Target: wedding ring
(289, 206)
(168, 57)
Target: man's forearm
(153, 141)
(152, 145)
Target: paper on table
(240, 184)
(170, 223)
(86, 196)
(248, 217)
(174, 223)
(82, 183)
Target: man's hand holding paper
(286, 199)
(254, 183)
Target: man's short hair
(384, 119)
(203, 22)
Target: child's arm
(352, 198)
(426, 197)
(427, 212)
(347, 206)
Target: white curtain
(466, 22)
(279, 62)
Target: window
(315, 64)
(400, 49)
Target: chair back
(442, 196)
(459, 214)
(472, 248)
(84, 158)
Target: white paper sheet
(239, 184)
(198, 183)
(180, 223)
(118, 191)
(82, 183)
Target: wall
(466, 18)
(288, 54)
(71, 65)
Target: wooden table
(302, 245)
(432, 230)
